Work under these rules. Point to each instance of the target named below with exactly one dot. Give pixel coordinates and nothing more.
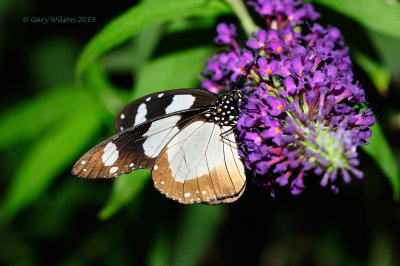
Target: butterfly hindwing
(161, 104)
(132, 149)
(199, 165)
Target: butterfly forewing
(161, 104)
(198, 165)
(131, 149)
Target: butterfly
(185, 136)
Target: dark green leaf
(172, 71)
(381, 16)
(378, 73)
(97, 82)
(160, 253)
(196, 230)
(380, 150)
(193, 24)
(388, 50)
(144, 45)
(27, 119)
(50, 155)
(124, 189)
(142, 16)
(118, 61)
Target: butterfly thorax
(226, 109)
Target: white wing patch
(191, 151)
(141, 114)
(110, 154)
(177, 149)
(179, 103)
(156, 141)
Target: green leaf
(140, 17)
(388, 51)
(378, 73)
(380, 150)
(48, 157)
(125, 188)
(381, 16)
(27, 119)
(195, 231)
(244, 17)
(118, 61)
(180, 25)
(160, 253)
(100, 87)
(144, 45)
(172, 71)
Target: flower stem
(241, 12)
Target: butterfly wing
(135, 148)
(199, 165)
(143, 128)
(162, 104)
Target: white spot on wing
(148, 99)
(113, 169)
(110, 154)
(180, 102)
(159, 133)
(141, 114)
(131, 165)
(155, 167)
(122, 116)
(160, 95)
(83, 162)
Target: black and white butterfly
(186, 137)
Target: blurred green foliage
(58, 102)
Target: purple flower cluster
(303, 113)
